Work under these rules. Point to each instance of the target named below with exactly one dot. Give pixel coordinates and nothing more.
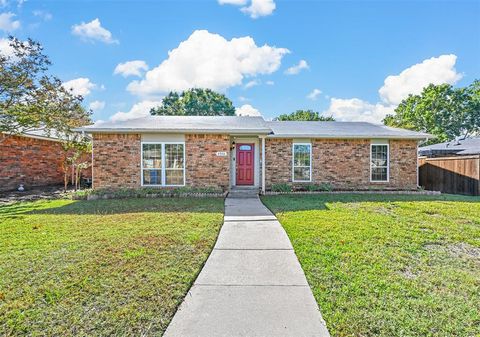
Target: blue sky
(352, 59)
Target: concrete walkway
(251, 285)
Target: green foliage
(30, 99)
(324, 187)
(281, 187)
(384, 265)
(441, 110)
(305, 115)
(145, 192)
(195, 102)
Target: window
(163, 164)
(379, 162)
(302, 160)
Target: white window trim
(163, 164)
(388, 163)
(293, 163)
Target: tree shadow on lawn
(285, 203)
(115, 206)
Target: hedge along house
(225, 152)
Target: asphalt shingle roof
(253, 125)
(468, 146)
(339, 129)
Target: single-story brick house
(229, 151)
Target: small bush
(283, 187)
(325, 187)
(122, 193)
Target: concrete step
(243, 192)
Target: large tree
(305, 115)
(30, 99)
(442, 110)
(195, 102)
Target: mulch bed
(36, 193)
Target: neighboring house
(458, 147)
(32, 159)
(223, 152)
(451, 167)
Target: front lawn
(106, 267)
(386, 265)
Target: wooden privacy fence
(456, 175)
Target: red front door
(245, 160)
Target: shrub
(283, 187)
(316, 187)
(325, 187)
(121, 193)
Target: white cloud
(8, 23)
(259, 8)
(243, 99)
(140, 109)
(3, 3)
(256, 9)
(247, 110)
(79, 86)
(93, 31)
(269, 83)
(208, 60)
(294, 70)
(356, 110)
(251, 84)
(436, 70)
(314, 94)
(97, 105)
(5, 48)
(131, 68)
(44, 15)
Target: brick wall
(278, 158)
(29, 161)
(345, 164)
(203, 167)
(403, 163)
(116, 160)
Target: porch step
(243, 192)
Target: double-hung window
(379, 163)
(163, 164)
(302, 162)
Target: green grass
(386, 265)
(106, 267)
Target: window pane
(245, 147)
(301, 174)
(301, 155)
(379, 155)
(152, 177)
(173, 156)
(379, 174)
(152, 156)
(174, 177)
